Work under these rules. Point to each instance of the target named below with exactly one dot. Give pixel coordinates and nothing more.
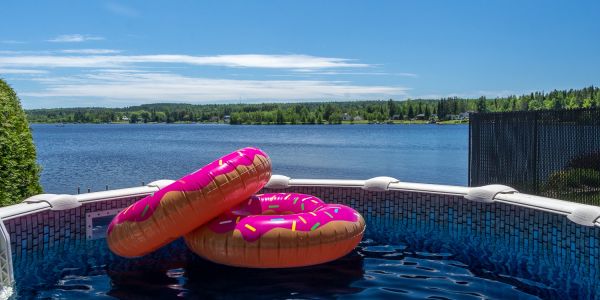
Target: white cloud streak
(22, 71)
(155, 87)
(104, 75)
(12, 42)
(234, 61)
(75, 38)
(90, 51)
(312, 72)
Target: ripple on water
(374, 270)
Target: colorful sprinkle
(293, 225)
(250, 201)
(286, 197)
(225, 222)
(237, 220)
(274, 206)
(251, 228)
(315, 226)
(336, 210)
(313, 214)
(145, 210)
(302, 219)
(278, 220)
(302, 206)
(220, 162)
(295, 200)
(331, 216)
(240, 153)
(314, 201)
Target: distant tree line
(320, 112)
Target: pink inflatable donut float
(278, 231)
(188, 203)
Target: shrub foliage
(569, 179)
(19, 172)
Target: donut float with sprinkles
(279, 230)
(188, 203)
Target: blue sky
(119, 53)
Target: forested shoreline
(424, 110)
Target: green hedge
(19, 172)
(574, 179)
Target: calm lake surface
(121, 155)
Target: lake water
(122, 155)
(399, 257)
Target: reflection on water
(394, 260)
(120, 156)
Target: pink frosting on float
(144, 208)
(297, 212)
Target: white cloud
(405, 74)
(22, 71)
(308, 71)
(9, 52)
(25, 52)
(103, 75)
(74, 38)
(239, 61)
(90, 51)
(12, 42)
(154, 87)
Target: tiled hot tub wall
(35, 233)
(523, 228)
(529, 235)
(523, 242)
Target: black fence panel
(553, 153)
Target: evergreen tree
(411, 112)
(391, 108)
(481, 104)
(19, 172)
(134, 118)
(279, 119)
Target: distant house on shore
(125, 118)
(464, 115)
(227, 118)
(214, 119)
(357, 118)
(452, 117)
(346, 117)
(396, 117)
(420, 117)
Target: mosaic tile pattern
(38, 232)
(537, 233)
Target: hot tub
(422, 241)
